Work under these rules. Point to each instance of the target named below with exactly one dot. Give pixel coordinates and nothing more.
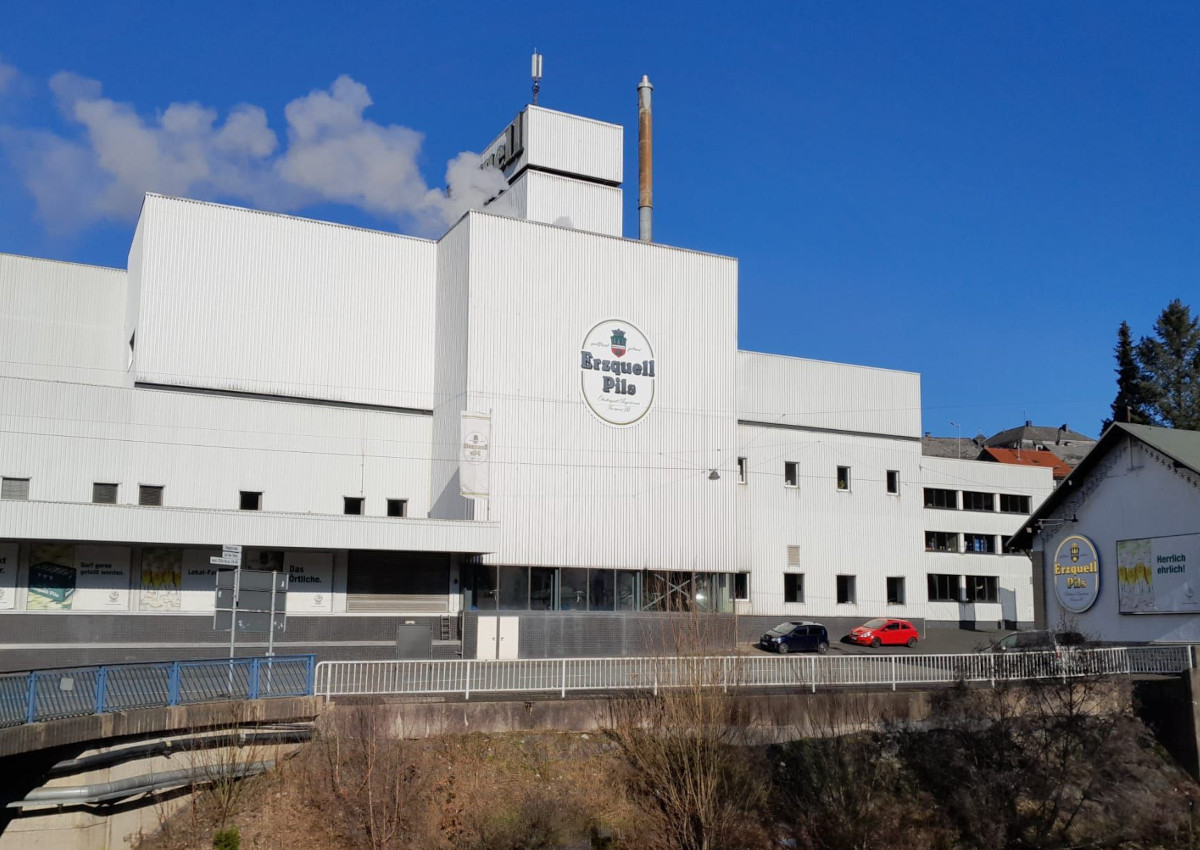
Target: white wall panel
(62, 321)
(816, 394)
(204, 449)
(865, 532)
(248, 301)
(574, 145)
(570, 490)
(573, 203)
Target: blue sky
(977, 192)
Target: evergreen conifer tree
(1169, 363)
(1130, 403)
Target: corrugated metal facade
(633, 497)
(571, 144)
(63, 322)
(816, 394)
(573, 203)
(247, 301)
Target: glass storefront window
(628, 583)
(481, 584)
(542, 588)
(514, 588)
(573, 591)
(600, 590)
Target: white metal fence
(532, 675)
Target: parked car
(1038, 641)
(796, 637)
(879, 632)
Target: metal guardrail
(79, 691)
(367, 678)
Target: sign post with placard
(248, 601)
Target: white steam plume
(333, 154)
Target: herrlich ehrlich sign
(617, 373)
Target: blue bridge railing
(79, 691)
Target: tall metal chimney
(645, 171)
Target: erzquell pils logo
(617, 374)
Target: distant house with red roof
(1028, 457)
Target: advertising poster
(8, 576)
(199, 580)
(102, 578)
(310, 582)
(1158, 575)
(52, 577)
(1076, 573)
(162, 579)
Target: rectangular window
(791, 473)
(845, 590)
(1010, 504)
(941, 541)
(895, 590)
(935, 498)
(982, 543)
(351, 505)
(249, 500)
(793, 556)
(741, 585)
(150, 495)
(793, 587)
(973, 501)
(514, 588)
(742, 471)
(601, 590)
(397, 507)
(104, 494)
(982, 589)
(843, 478)
(893, 481)
(943, 588)
(14, 489)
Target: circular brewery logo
(617, 373)
(1076, 574)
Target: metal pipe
(105, 792)
(645, 170)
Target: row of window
(972, 500)
(969, 542)
(791, 476)
(952, 588)
(151, 495)
(847, 589)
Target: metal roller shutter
(409, 582)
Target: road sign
(225, 562)
(254, 580)
(250, 600)
(232, 551)
(250, 622)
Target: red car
(879, 632)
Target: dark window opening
(1010, 504)
(150, 495)
(353, 505)
(250, 500)
(104, 494)
(793, 587)
(845, 590)
(843, 478)
(943, 588)
(895, 590)
(397, 507)
(791, 474)
(935, 498)
(982, 589)
(941, 541)
(893, 481)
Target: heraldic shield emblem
(618, 342)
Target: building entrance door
(498, 637)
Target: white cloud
(7, 75)
(333, 153)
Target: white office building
(529, 418)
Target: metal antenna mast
(536, 72)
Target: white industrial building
(324, 396)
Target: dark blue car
(796, 637)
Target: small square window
(791, 473)
(150, 495)
(895, 590)
(104, 494)
(250, 500)
(741, 585)
(793, 587)
(742, 470)
(843, 478)
(14, 489)
(397, 507)
(893, 481)
(352, 505)
(846, 593)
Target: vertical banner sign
(1159, 575)
(474, 456)
(8, 576)
(1076, 574)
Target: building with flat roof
(529, 436)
